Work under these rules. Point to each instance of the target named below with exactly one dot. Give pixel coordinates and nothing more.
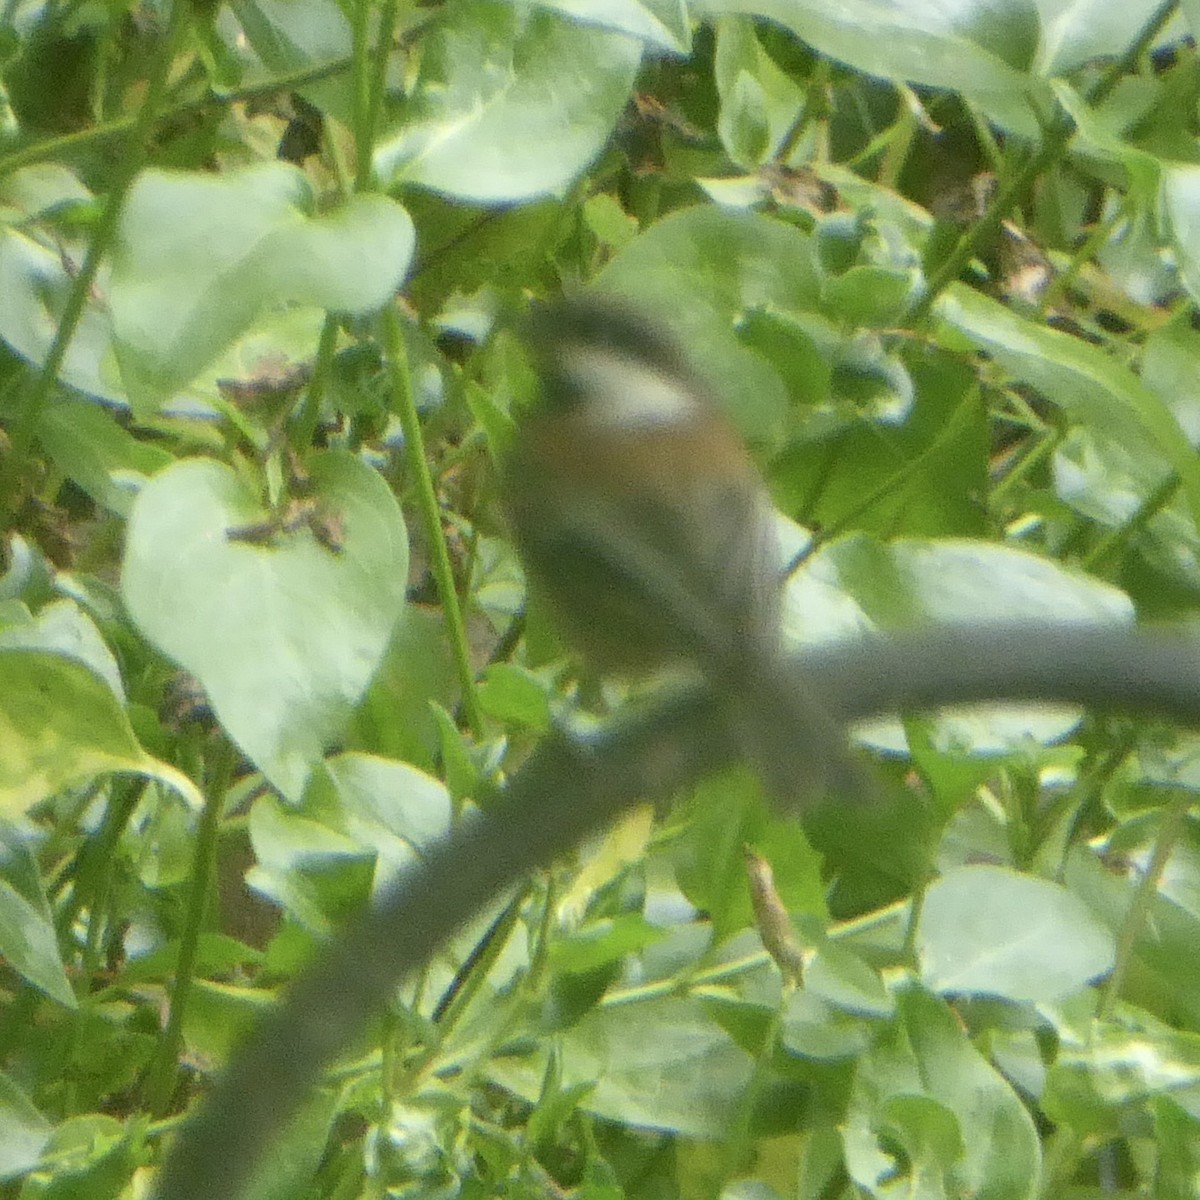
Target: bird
(648, 532)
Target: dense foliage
(261, 630)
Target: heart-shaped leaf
(199, 256)
(284, 633)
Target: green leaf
(34, 284)
(869, 296)
(919, 476)
(198, 257)
(396, 718)
(977, 48)
(462, 771)
(219, 1015)
(284, 636)
(759, 101)
(1017, 1054)
(1177, 1136)
(38, 190)
(1161, 976)
(279, 339)
(969, 941)
(661, 1064)
(727, 264)
(925, 1086)
(512, 103)
(288, 36)
(1181, 206)
(26, 578)
(928, 1132)
(801, 348)
(1114, 480)
(24, 1132)
(1168, 370)
(609, 222)
(848, 982)
(815, 1029)
(1089, 385)
(1086, 30)
(1100, 137)
(859, 583)
(515, 696)
(390, 808)
(316, 874)
(60, 726)
(93, 1158)
(216, 954)
(93, 451)
(28, 941)
(743, 121)
(603, 942)
(1117, 1064)
(710, 864)
(839, 240)
(663, 23)
(64, 628)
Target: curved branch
(570, 788)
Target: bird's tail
(797, 746)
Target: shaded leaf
(926, 1087)
(660, 1064)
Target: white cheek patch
(622, 393)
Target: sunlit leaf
(860, 583)
(663, 23)
(969, 943)
(283, 632)
(511, 104)
(28, 941)
(60, 726)
(24, 1132)
(198, 257)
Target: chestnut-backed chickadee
(642, 521)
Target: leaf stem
(431, 517)
(160, 1082)
(1138, 913)
(1107, 549)
(371, 71)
